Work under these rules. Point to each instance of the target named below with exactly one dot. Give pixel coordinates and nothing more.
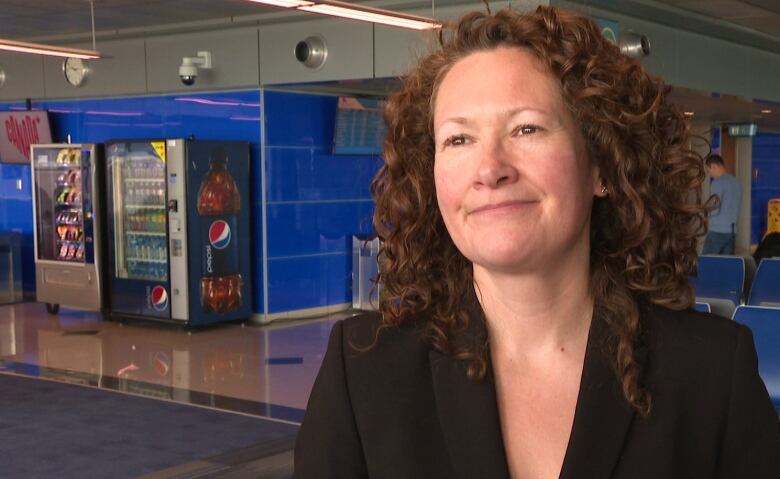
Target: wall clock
(75, 70)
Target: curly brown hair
(644, 234)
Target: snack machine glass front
(60, 214)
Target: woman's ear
(601, 190)
(599, 186)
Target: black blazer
(403, 410)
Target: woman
(540, 211)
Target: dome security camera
(188, 71)
(311, 52)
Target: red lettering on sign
(22, 133)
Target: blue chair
(765, 324)
(702, 307)
(766, 285)
(750, 274)
(719, 282)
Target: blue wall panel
(299, 120)
(313, 174)
(309, 228)
(316, 202)
(299, 283)
(766, 181)
(16, 214)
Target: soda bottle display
(219, 203)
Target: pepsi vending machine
(179, 230)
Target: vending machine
(179, 230)
(67, 182)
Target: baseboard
(307, 313)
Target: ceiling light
(358, 12)
(284, 3)
(41, 49)
(766, 111)
(688, 113)
(373, 15)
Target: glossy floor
(262, 370)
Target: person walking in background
(725, 199)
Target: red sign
(19, 130)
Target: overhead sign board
(19, 130)
(743, 129)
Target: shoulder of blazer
(690, 352)
(692, 332)
(703, 373)
(371, 349)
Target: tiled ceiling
(760, 15)
(34, 19)
(727, 109)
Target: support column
(743, 168)
(699, 143)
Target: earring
(603, 190)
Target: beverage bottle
(219, 203)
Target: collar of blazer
(469, 417)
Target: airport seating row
(725, 282)
(765, 324)
(732, 286)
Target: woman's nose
(495, 167)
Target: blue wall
(16, 215)
(315, 201)
(766, 184)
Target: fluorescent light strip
(285, 3)
(41, 49)
(367, 14)
(386, 19)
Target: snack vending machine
(178, 230)
(67, 182)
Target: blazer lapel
(469, 419)
(602, 416)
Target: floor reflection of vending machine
(178, 230)
(67, 226)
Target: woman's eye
(455, 140)
(526, 130)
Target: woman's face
(513, 181)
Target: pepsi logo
(219, 234)
(159, 298)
